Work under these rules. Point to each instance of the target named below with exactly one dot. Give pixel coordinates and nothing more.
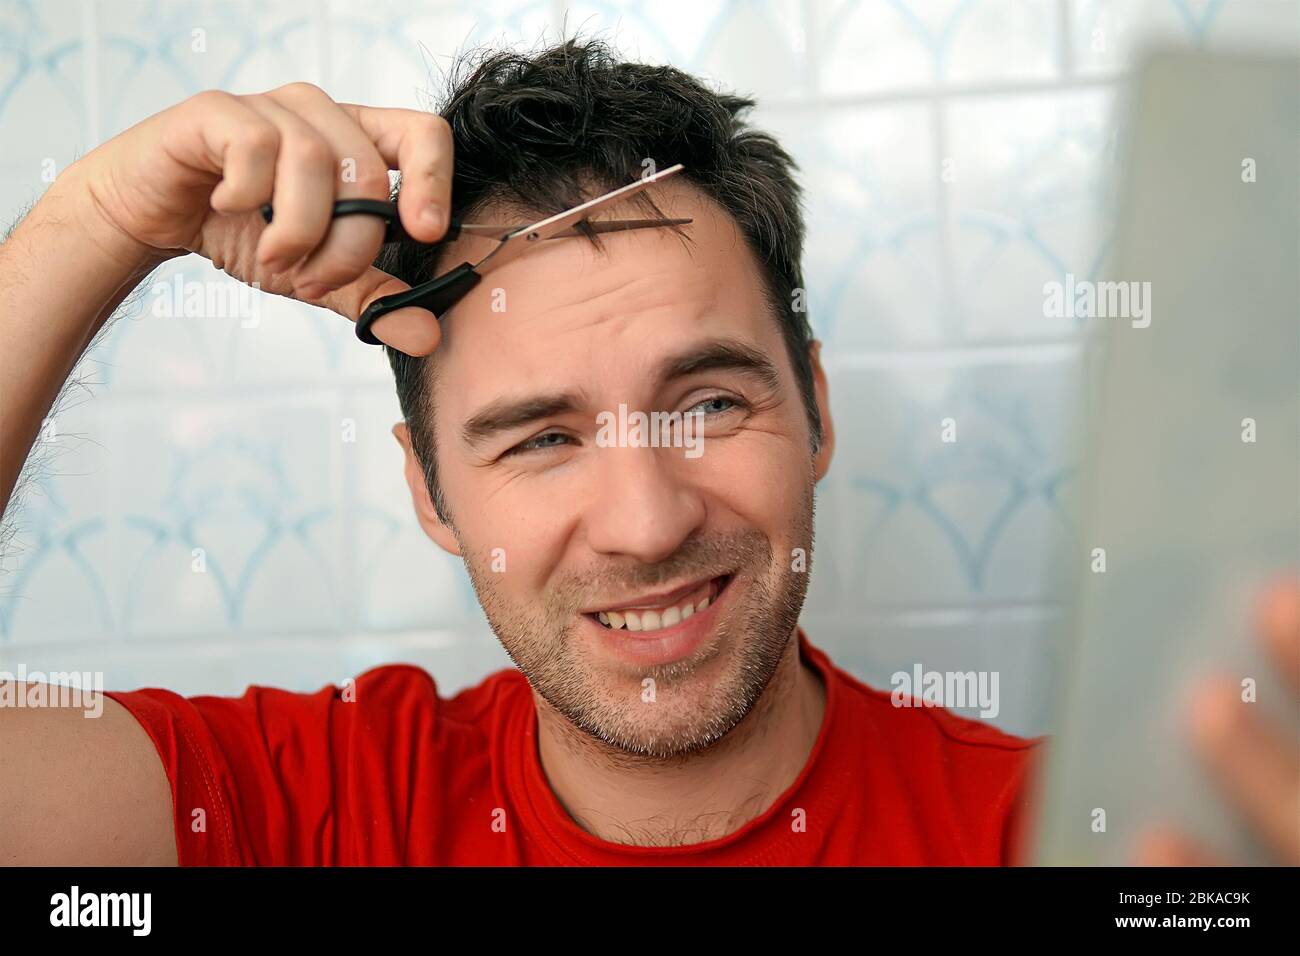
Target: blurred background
(957, 155)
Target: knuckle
(310, 150)
(300, 91)
(262, 137)
(208, 100)
(433, 126)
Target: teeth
(654, 619)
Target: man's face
(695, 552)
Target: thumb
(411, 330)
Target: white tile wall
(956, 156)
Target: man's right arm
(63, 272)
(73, 790)
(193, 178)
(82, 791)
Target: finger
(352, 242)
(410, 330)
(1278, 625)
(419, 145)
(248, 173)
(303, 192)
(217, 132)
(1258, 767)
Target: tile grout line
(90, 71)
(1065, 39)
(888, 98)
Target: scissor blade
(490, 229)
(619, 225)
(497, 231)
(515, 243)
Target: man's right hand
(194, 177)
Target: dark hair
(540, 131)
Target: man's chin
(678, 708)
(671, 691)
(662, 729)
(663, 711)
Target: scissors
(441, 293)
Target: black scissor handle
(387, 211)
(438, 295)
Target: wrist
(74, 201)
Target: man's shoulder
(964, 733)
(388, 683)
(378, 701)
(941, 772)
(909, 726)
(387, 733)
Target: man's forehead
(569, 295)
(673, 199)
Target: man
(666, 708)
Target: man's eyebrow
(722, 355)
(506, 414)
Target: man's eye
(714, 402)
(540, 443)
(716, 405)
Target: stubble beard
(674, 710)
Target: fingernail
(435, 217)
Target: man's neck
(704, 797)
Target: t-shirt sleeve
(275, 778)
(1023, 801)
(993, 775)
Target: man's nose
(645, 506)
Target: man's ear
(420, 498)
(822, 461)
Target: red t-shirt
(399, 775)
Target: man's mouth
(668, 612)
